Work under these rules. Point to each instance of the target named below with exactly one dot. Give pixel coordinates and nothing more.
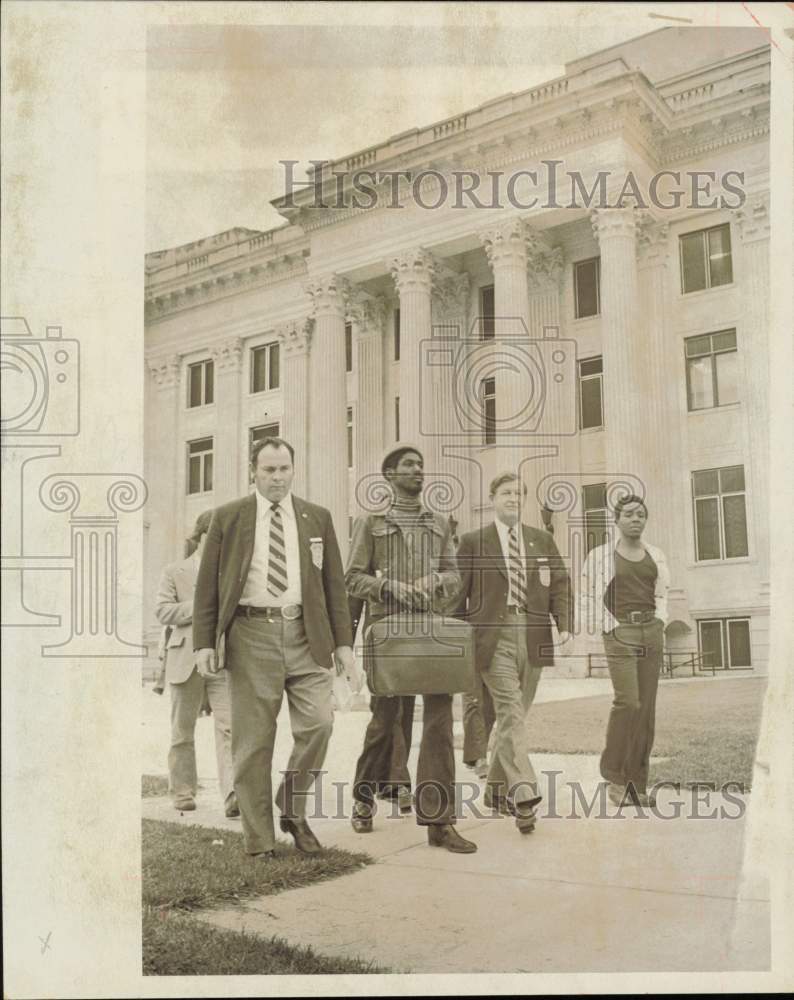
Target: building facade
(591, 341)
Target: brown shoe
(446, 836)
(185, 804)
(232, 809)
(405, 801)
(361, 820)
(302, 834)
(526, 818)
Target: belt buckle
(286, 612)
(635, 617)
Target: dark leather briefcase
(419, 654)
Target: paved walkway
(634, 892)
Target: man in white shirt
(271, 586)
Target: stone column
(294, 339)
(227, 463)
(368, 314)
(625, 391)
(328, 401)
(412, 272)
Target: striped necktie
(277, 554)
(518, 586)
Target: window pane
(263, 431)
(348, 347)
(705, 484)
(701, 386)
(591, 403)
(693, 262)
(194, 395)
(720, 264)
(258, 370)
(586, 288)
(489, 414)
(396, 418)
(711, 644)
(487, 309)
(739, 644)
(194, 475)
(735, 526)
(727, 378)
(593, 366)
(724, 341)
(698, 345)
(208, 471)
(595, 496)
(595, 526)
(209, 381)
(273, 374)
(708, 529)
(397, 335)
(732, 479)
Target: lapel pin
(304, 514)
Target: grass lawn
(186, 867)
(153, 785)
(707, 729)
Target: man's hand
(428, 586)
(207, 662)
(345, 662)
(405, 594)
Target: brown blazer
(224, 568)
(174, 607)
(482, 599)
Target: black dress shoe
(232, 809)
(526, 818)
(446, 836)
(301, 833)
(361, 820)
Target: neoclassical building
(590, 341)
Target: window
(265, 367)
(706, 260)
(350, 437)
(596, 514)
(396, 418)
(591, 409)
(725, 643)
(396, 334)
(720, 516)
(199, 466)
(712, 370)
(260, 433)
(348, 347)
(200, 383)
(488, 397)
(587, 287)
(487, 312)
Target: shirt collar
(503, 528)
(263, 505)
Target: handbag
(410, 654)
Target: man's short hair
(392, 460)
(505, 477)
(272, 442)
(624, 501)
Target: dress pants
(186, 701)
(435, 774)
(266, 659)
(478, 721)
(402, 733)
(634, 657)
(512, 682)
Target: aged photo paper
(397, 349)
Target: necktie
(277, 555)
(518, 587)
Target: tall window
(591, 403)
(396, 334)
(712, 370)
(199, 466)
(396, 418)
(348, 347)
(350, 437)
(706, 260)
(587, 287)
(200, 383)
(594, 504)
(487, 312)
(725, 642)
(488, 397)
(720, 515)
(261, 432)
(265, 367)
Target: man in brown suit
(271, 586)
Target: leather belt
(290, 612)
(638, 618)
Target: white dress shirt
(503, 530)
(255, 590)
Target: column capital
(506, 243)
(544, 261)
(367, 312)
(228, 355)
(614, 222)
(412, 269)
(295, 336)
(451, 290)
(652, 237)
(752, 218)
(166, 372)
(329, 294)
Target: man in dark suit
(513, 582)
(271, 585)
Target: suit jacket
(482, 599)
(174, 609)
(224, 568)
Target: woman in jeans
(623, 596)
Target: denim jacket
(380, 551)
(594, 617)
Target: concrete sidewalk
(628, 892)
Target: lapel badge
(316, 546)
